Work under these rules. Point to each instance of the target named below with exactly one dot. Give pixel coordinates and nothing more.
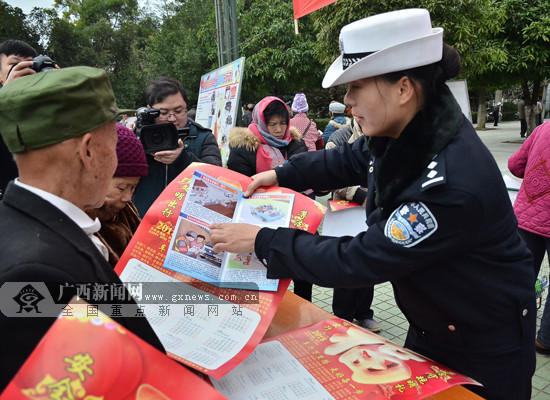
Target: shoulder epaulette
(434, 174)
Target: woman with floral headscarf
(267, 142)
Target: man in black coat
(65, 149)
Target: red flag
(304, 7)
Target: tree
(184, 46)
(106, 34)
(16, 26)
(526, 37)
(470, 26)
(278, 62)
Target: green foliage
(177, 49)
(321, 123)
(15, 25)
(469, 26)
(503, 43)
(526, 35)
(278, 61)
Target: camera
(157, 137)
(39, 64)
(43, 63)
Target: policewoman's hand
(235, 238)
(266, 178)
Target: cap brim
(414, 53)
(121, 111)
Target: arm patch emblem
(410, 224)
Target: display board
(218, 103)
(459, 89)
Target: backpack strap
(307, 128)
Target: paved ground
(502, 141)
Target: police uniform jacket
(42, 244)
(441, 228)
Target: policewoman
(441, 227)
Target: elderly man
(60, 126)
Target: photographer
(16, 61)
(199, 145)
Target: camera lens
(157, 138)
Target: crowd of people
(432, 214)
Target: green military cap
(52, 106)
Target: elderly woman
(441, 227)
(267, 142)
(118, 215)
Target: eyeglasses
(166, 114)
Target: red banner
(304, 7)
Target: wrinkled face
(103, 140)
(120, 193)
(276, 126)
(375, 106)
(7, 62)
(172, 109)
(372, 364)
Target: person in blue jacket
(441, 227)
(337, 119)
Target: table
(295, 312)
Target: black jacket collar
(400, 161)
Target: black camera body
(40, 63)
(43, 63)
(157, 137)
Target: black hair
(431, 77)
(278, 109)
(162, 87)
(17, 48)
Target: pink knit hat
(131, 157)
(299, 105)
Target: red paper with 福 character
(335, 359)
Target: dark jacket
(42, 244)
(243, 145)
(8, 168)
(201, 146)
(340, 136)
(116, 232)
(442, 230)
(247, 118)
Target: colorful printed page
(205, 326)
(89, 356)
(209, 201)
(335, 359)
